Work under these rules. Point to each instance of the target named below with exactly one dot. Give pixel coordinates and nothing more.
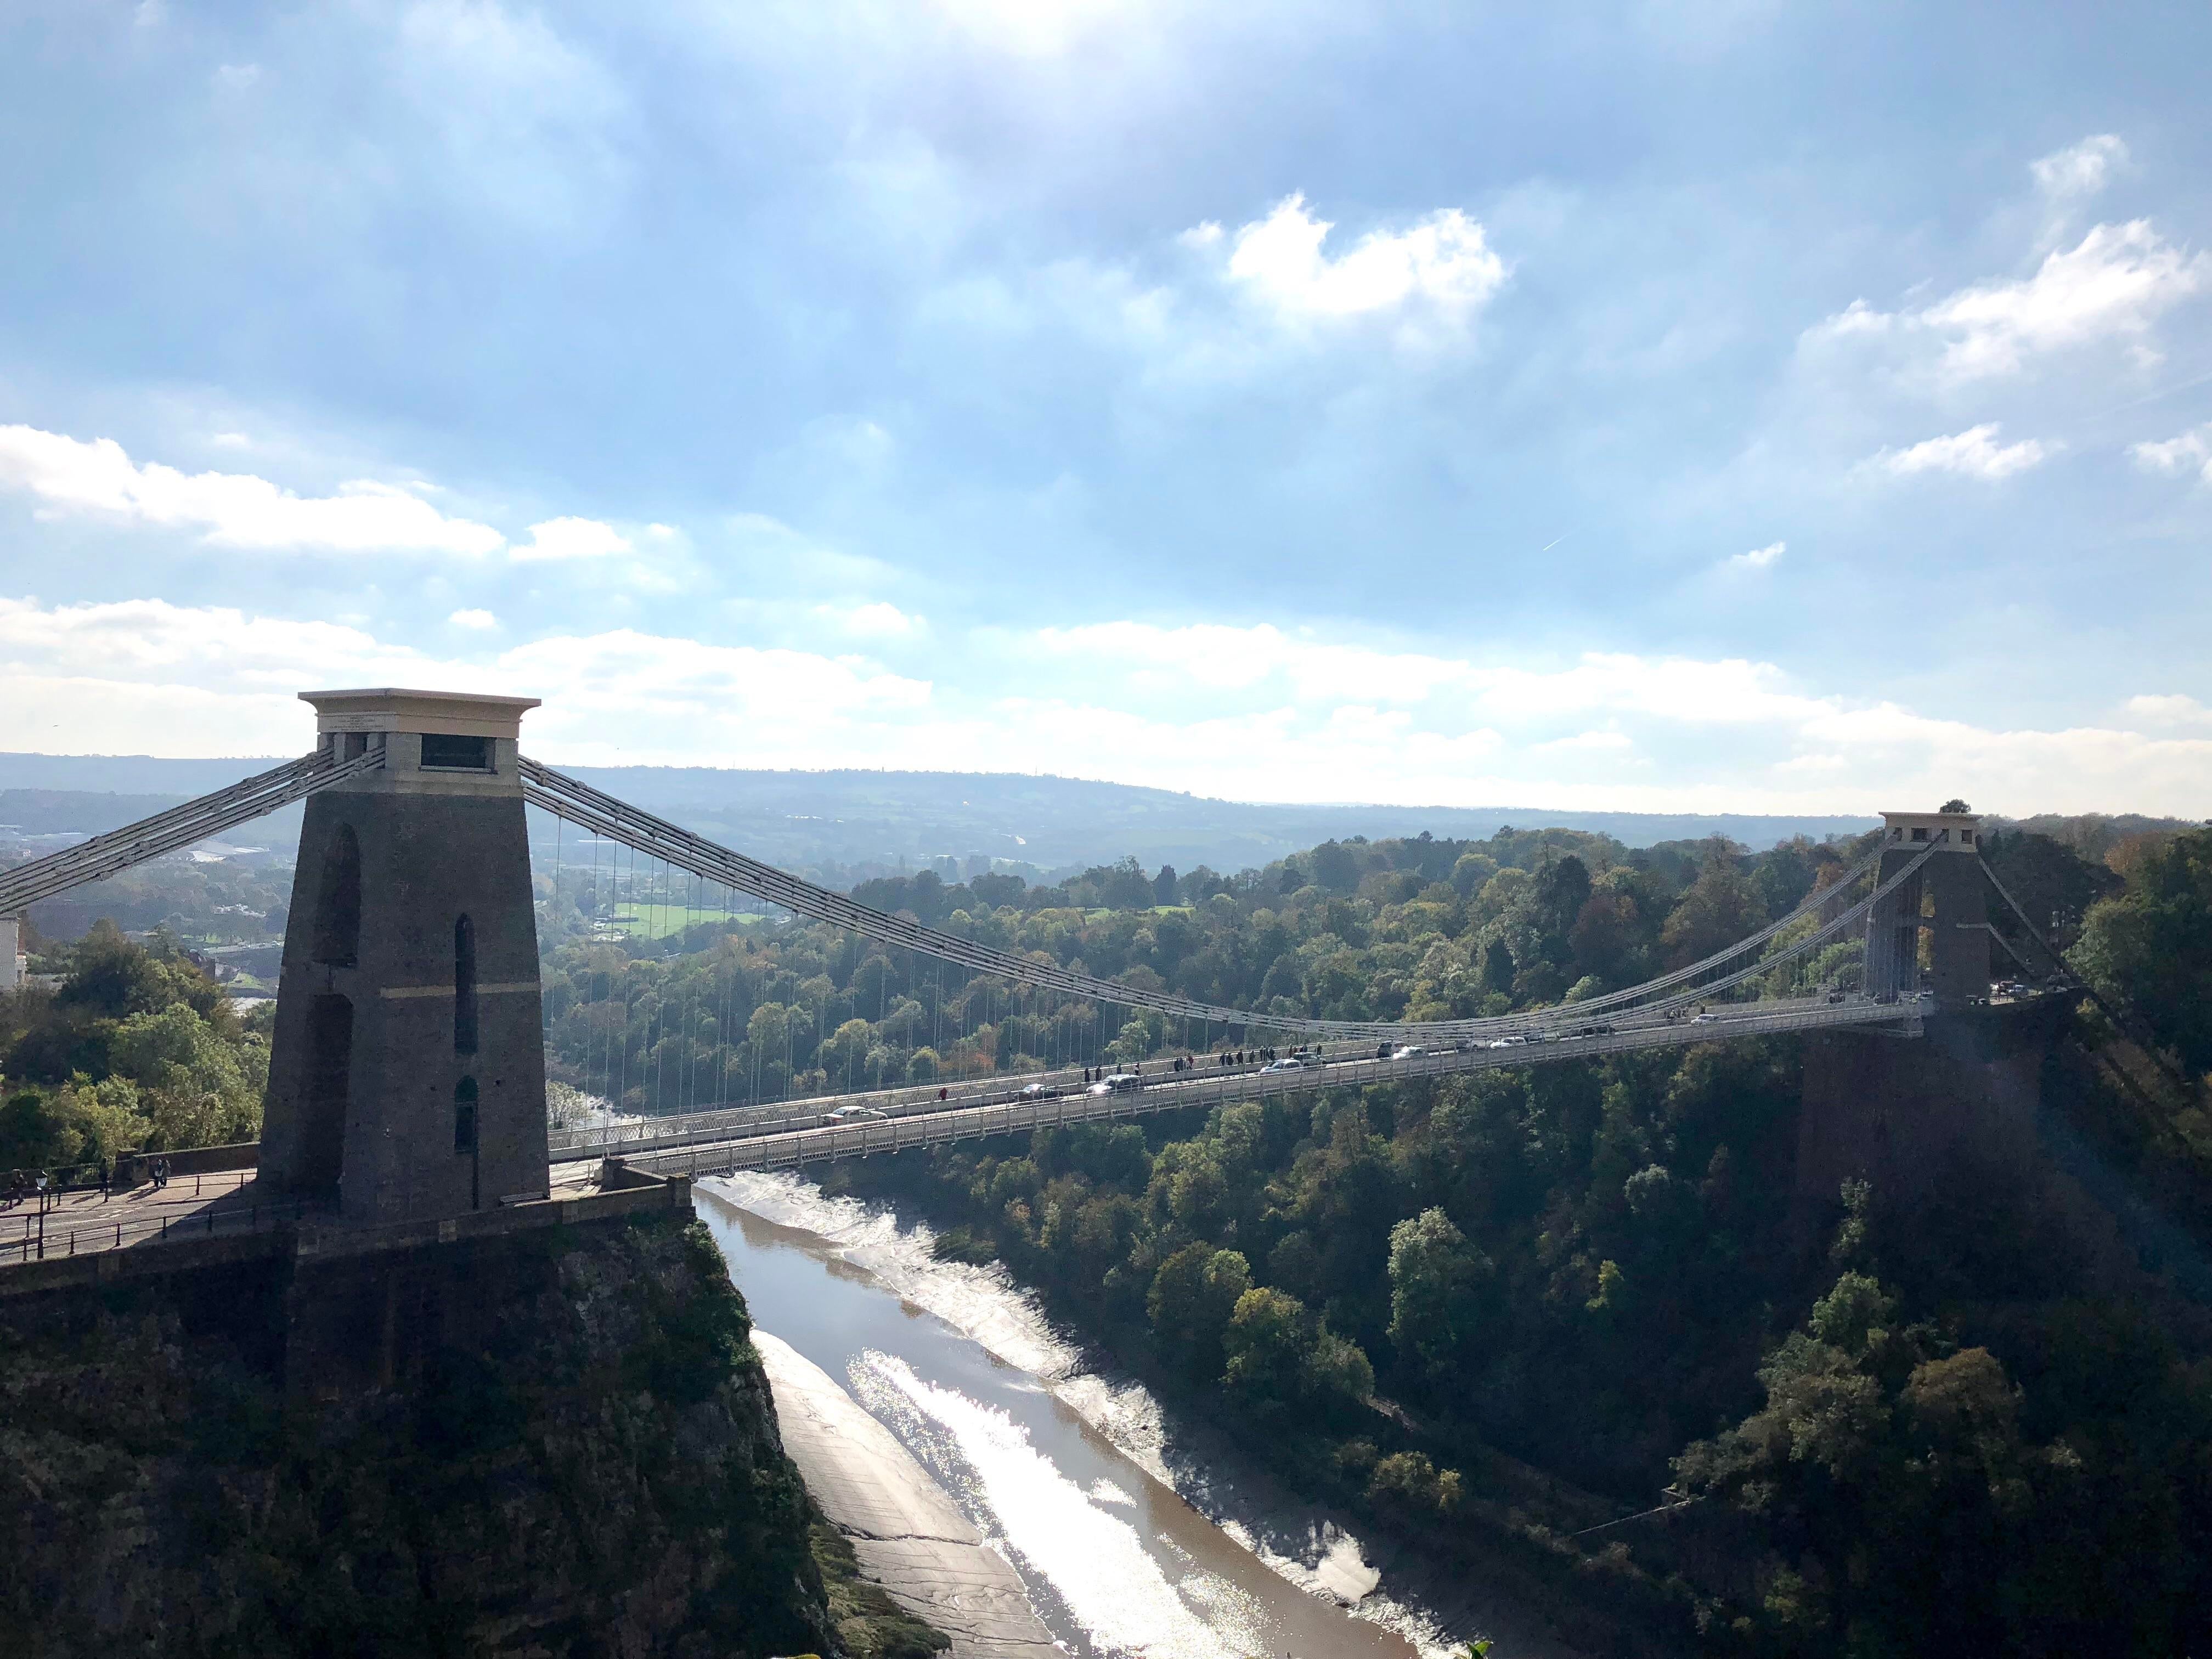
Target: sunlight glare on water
(1114, 1587)
(1065, 1470)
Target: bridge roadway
(797, 1135)
(1543, 1030)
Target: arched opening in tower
(337, 901)
(330, 1091)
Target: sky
(1661, 406)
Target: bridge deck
(228, 1203)
(799, 1137)
(1639, 1029)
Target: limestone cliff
(566, 1449)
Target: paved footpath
(83, 1223)
(908, 1534)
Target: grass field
(659, 921)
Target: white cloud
(231, 440)
(2082, 169)
(2191, 449)
(2114, 284)
(476, 621)
(571, 538)
(878, 620)
(1607, 741)
(145, 677)
(228, 509)
(1443, 262)
(236, 78)
(1220, 658)
(1030, 29)
(1759, 558)
(2169, 710)
(1974, 454)
(1287, 718)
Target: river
(1125, 1545)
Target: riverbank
(905, 1533)
(1067, 1448)
(1505, 1562)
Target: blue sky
(1668, 406)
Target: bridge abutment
(1900, 1112)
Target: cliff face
(567, 1448)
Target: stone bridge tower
(1933, 932)
(408, 1077)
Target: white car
(1411, 1051)
(1039, 1091)
(1116, 1083)
(1705, 1019)
(856, 1115)
(1284, 1066)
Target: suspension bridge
(407, 1079)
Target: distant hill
(854, 824)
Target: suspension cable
(557, 792)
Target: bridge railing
(570, 1145)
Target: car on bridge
(1039, 1091)
(1411, 1051)
(853, 1115)
(1289, 1063)
(1116, 1083)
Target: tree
(1606, 932)
(1163, 884)
(1436, 1283)
(1280, 1354)
(1334, 868)
(2151, 946)
(1561, 891)
(1411, 1480)
(75, 1125)
(1268, 1338)
(1192, 1298)
(1497, 967)
(1720, 907)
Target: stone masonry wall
(559, 1444)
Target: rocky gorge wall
(558, 1444)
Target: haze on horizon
(1702, 408)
